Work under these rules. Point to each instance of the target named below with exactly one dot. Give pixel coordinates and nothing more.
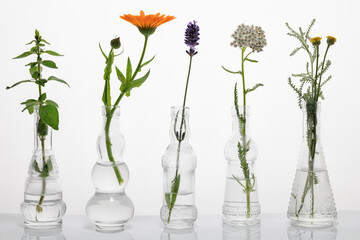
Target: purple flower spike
(192, 37)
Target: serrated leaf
(20, 82)
(53, 53)
(53, 78)
(25, 54)
(120, 75)
(238, 72)
(50, 115)
(50, 102)
(254, 87)
(128, 70)
(49, 64)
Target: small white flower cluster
(249, 36)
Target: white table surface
(273, 227)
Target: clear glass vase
(241, 206)
(311, 200)
(43, 206)
(110, 208)
(179, 163)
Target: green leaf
(253, 88)
(42, 97)
(50, 102)
(136, 83)
(238, 72)
(128, 70)
(32, 64)
(53, 53)
(25, 54)
(49, 64)
(29, 105)
(167, 199)
(251, 60)
(103, 52)
(120, 76)
(36, 167)
(43, 40)
(50, 115)
(30, 42)
(42, 128)
(146, 63)
(23, 81)
(53, 78)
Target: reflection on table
(241, 233)
(302, 233)
(43, 234)
(188, 234)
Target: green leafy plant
(47, 109)
(245, 37)
(310, 92)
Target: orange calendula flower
(330, 40)
(147, 24)
(315, 41)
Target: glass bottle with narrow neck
(241, 205)
(43, 205)
(179, 163)
(110, 208)
(311, 201)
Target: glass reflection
(187, 234)
(303, 233)
(43, 234)
(241, 233)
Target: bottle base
(312, 223)
(236, 214)
(182, 217)
(109, 228)
(241, 222)
(42, 225)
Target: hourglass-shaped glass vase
(43, 206)
(110, 208)
(241, 206)
(179, 163)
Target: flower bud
(330, 40)
(115, 43)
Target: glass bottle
(110, 208)
(241, 206)
(43, 205)
(311, 200)
(179, 163)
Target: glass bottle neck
(42, 133)
(179, 128)
(311, 120)
(111, 118)
(240, 120)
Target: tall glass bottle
(179, 163)
(110, 208)
(43, 205)
(241, 205)
(311, 201)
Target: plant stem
(174, 194)
(43, 180)
(109, 115)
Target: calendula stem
(109, 115)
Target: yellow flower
(315, 41)
(147, 24)
(330, 40)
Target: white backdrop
(75, 27)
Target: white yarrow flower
(249, 36)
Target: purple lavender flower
(192, 37)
